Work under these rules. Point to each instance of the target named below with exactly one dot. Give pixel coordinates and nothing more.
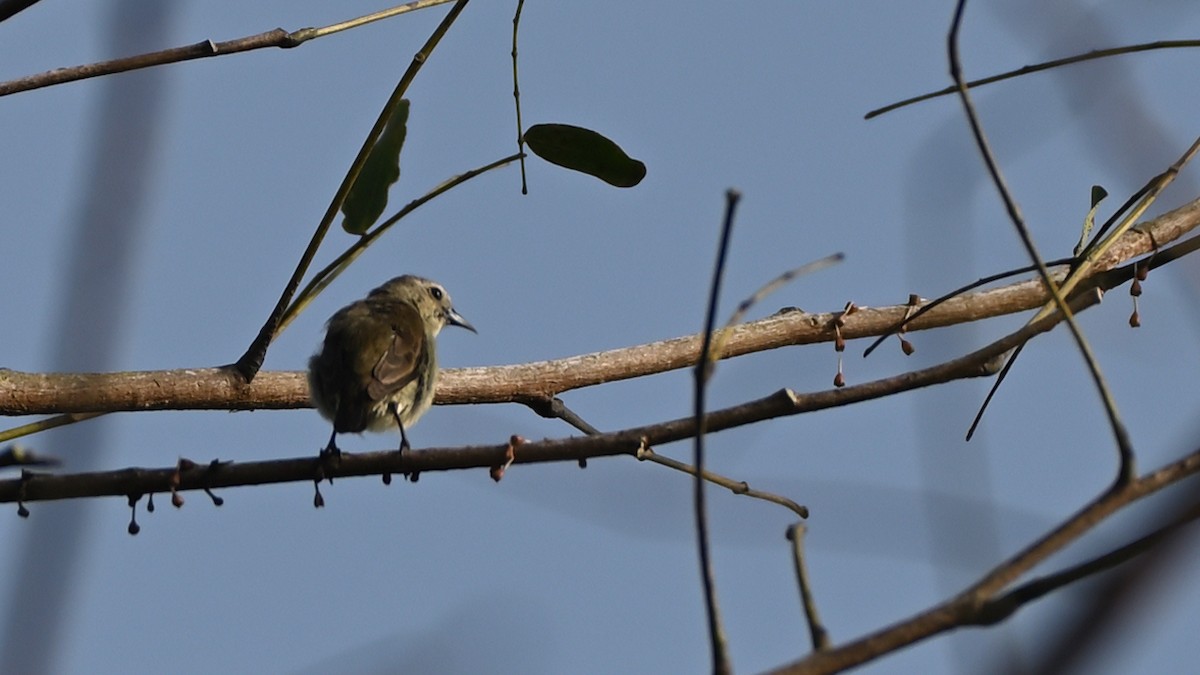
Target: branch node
(510, 455)
(644, 450)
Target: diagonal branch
(1119, 431)
(972, 605)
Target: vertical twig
(704, 366)
(517, 97)
(1127, 470)
(816, 629)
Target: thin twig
(816, 629)
(766, 289)
(1120, 434)
(272, 38)
(46, 424)
(517, 97)
(327, 274)
(987, 400)
(1025, 70)
(554, 408)
(704, 366)
(929, 305)
(1129, 203)
(251, 361)
(737, 487)
(1111, 233)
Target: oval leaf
(586, 151)
(368, 197)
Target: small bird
(377, 368)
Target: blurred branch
(221, 389)
(10, 7)
(1006, 605)
(973, 605)
(272, 38)
(16, 455)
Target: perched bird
(377, 368)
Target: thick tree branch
(782, 403)
(221, 389)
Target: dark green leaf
(368, 197)
(586, 151)
(1089, 221)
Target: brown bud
(839, 380)
(907, 347)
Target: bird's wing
(400, 363)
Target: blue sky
(556, 569)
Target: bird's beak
(453, 318)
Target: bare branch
(273, 38)
(1025, 70)
(1120, 433)
(968, 607)
(704, 367)
(816, 629)
(782, 403)
(219, 389)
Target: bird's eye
(435, 292)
